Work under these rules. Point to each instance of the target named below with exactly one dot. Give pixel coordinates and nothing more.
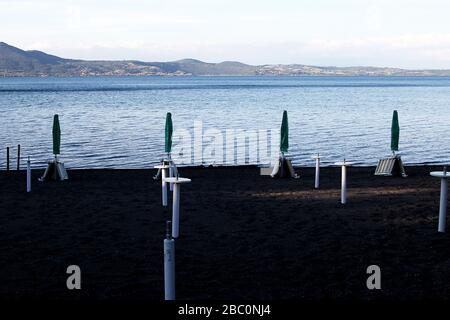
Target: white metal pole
(164, 187)
(344, 185)
(316, 184)
(176, 210)
(169, 266)
(28, 175)
(170, 164)
(443, 205)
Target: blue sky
(399, 33)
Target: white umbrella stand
(317, 179)
(169, 265)
(443, 201)
(177, 182)
(343, 165)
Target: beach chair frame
(392, 166)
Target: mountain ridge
(18, 62)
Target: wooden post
(28, 175)
(7, 158)
(18, 157)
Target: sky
(397, 33)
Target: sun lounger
(392, 166)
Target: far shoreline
(224, 76)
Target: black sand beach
(242, 236)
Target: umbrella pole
(164, 187)
(170, 169)
(56, 167)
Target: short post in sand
(177, 181)
(444, 175)
(28, 175)
(7, 158)
(344, 165)
(163, 168)
(169, 265)
(317, 179)
(18, 157)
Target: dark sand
(242, 236)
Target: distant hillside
(17, 62)
(14, 60)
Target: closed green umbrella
(168, 133)
(56, 135)
(284, 138)
(395, 132)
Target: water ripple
(119, 122)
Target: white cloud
(407, 51)
(374, 17)
(394, 33)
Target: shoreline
(236, 75)
(436, 166)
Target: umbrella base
(165, 162)
(55, 171)
(283, 169)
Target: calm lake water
(119, 122)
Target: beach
(242, 235)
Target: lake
(118, 122)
